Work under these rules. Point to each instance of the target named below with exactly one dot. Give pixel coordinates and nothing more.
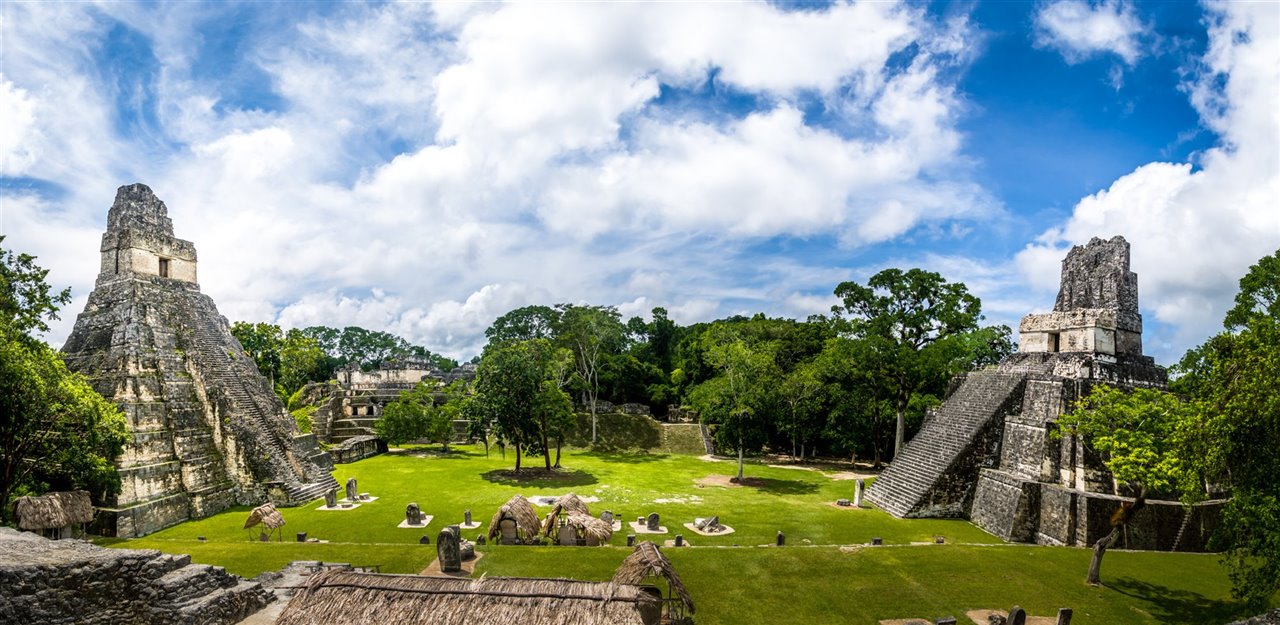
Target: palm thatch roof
(357, 598)
(571, 504)
(648, 561)
(53, 510)
(521, 511)
(267, 515)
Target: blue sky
(423, 168)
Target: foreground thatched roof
(267, 515)
(521, 511)
(53, 510)
(648, 561)
(571, 504)
(357, 598)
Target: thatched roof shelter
(267, 515)
(517, 509)
(647, 561)
(359, 598)
(53, 510)
(570, 504)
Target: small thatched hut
(643, 568)
(267, 516)
(586, 529)
(368, 598)
(54, 515)
(515, 522)
(568, 505)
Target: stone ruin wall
(71, 581)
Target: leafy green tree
(262, 342)
(301, 361)
(1259, 295)
(1233, 378)
(739, 398)
(909, 315)
(508, 383)
(801, 394)
(414, 415)
(1138, 433)
(590, 332)
(56, 432)
(524, 324)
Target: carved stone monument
(448, 550)
(652, 522)
(331, 498)
(412, 514)
(857, 493)
(1017, 616)
(607, 517)
(206, 431)
(353, 493)
(466, 517)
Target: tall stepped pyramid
(988, 453)
(206, 431)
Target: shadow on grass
(539, 477)
(624, 457)
(780, 487)
(1178, 606)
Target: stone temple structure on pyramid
(987, 453)
(206, 431)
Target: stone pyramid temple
(206, 431)
(986, 454)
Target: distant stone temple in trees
(206, 431)
(987, 453)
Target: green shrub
(303, 417)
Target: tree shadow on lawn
(623, 457)
(540, 477)
(1178, 606)
(770, 485)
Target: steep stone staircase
(199, 593)
(300, 485)
(906, 486)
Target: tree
(800, 391)
(1259, 294)
(414, 415)
(509, 384)
(524, 324)
(261, 342)
(909, 312)
(56, 432)
(1231, 445)
(590, 331)
(26, 305)
(1138, 434)
(739, 398)
(301, 361)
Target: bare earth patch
(468, 567)
(850, 475)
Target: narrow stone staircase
(906, 486)
(219, 362)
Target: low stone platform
(73, 581)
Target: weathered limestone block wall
(357, 448)
(205, 429)
(74, 582)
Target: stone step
(226, 605)
(189, 583)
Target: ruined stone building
(987, 453)
(206, 432)
(349, 405)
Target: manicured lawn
(810, 580)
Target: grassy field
(817, 578)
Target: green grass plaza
(827, 571)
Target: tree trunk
(1099, 549)
(546, 452)
(559, 442)
(901, 432)
(593, 421)
(739, 458)
(517, 456)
